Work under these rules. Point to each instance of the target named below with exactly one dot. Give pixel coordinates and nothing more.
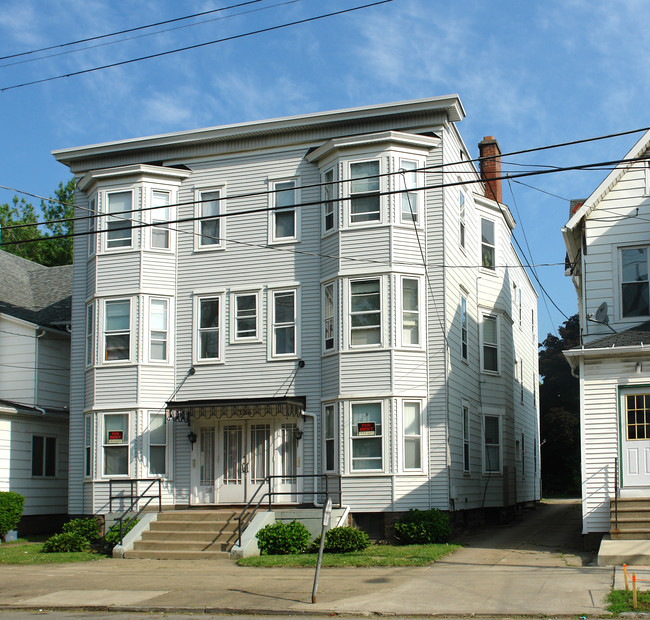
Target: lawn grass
(621, 601)
(375, 555)
(22, 552)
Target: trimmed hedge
(422, 527)
(342, 540)
(86, 528)
(66, 542)
(283, 538)
(11, 509)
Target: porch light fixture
(297, 433)
(192, 437)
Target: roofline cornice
(142, 170)
(613, 351)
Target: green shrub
(112, 537)
(11, 509)
(421, 527)
(65, 542)
(342, 540)
(86, 528)
(283, 538)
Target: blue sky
(528, 73)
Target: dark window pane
(37, 455)
(50, 456)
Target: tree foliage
(47, 250)
(559, 400)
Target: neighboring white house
(608, 243)
(35, 387)
(285, 321)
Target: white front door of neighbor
(203, 466)
(635, 439)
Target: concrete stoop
(619, 552)
(187, 535)
(630, 518)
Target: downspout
(38, 337)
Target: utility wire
(195, 46)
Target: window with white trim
(157, 444)
(365, 202)
(115, 444)
(490, 343)
(463, 328)
(158, 330)
(209, 226)
(466, 456)
(365, 312)
(330, 455)
(119, 206)
(284, 323)
(634, 282)
(367, 436)
(92, 227)
(521, 380)
(90, 334)
(209, 329)
(117, 330)
(88, 446)
(284, 217)
(412, 420)
(409, 198)
(159, 218)
(43, 456)
(410, 312)
(328, 317)
(461, 217)
(491, 444)
(245, 316)
(329, 198)
(488, 260)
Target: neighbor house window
(284, 214)
(329, 434)
(119, 220)
(209, 224)
(463, 328)
(365, 312)
(412, 435)
(158, 330)
(410, 312)
(329, 196)
(43, 456)
(209, 336)
(634, 282)
(90, 334)
(159, 219)
(466, 461)
(284, 323)
(116, 444)
(92, 227)
(88, 446)
(364, 192)
(367, 437)
(157, 444)
(487, 244)
(521, 380)
(409, 198)
(117, 330)
(490, 343)
(246, 316)
(328, 317)
(461, 217)
(491, 444)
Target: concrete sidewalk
(530, 567)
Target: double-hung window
(365, 203)
(412, 435)
(329, 435)
(158, 330)
(90, 334)
(488, 260)
(328, 317)
(116, 444)
(284, 323)
(209, 222)
(463, 328)
(159, 219)
(245, 316)
(209, 332)
(461, 217)
(410, 312)
(491, 444)
(117, 330)
(92, 227)
(367, 437)
(466, 460)
(157, 444)
(284, 220)
(409, 198)
(119, 206)
(634, 282)
(43, 456)
(329, 197)
(88, 446)
(365, 312)
(490, 344)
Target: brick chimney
(490, 166)
(575, 205)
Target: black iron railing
(331, 488)
(135, 498)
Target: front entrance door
(635, 443)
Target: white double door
(231, 459)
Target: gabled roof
(35, 293)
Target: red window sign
(366, 429)
(115, 436)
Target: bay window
(409, 199)
(159, 219)
(119, 206)
(158, 330)
(365, 200)
(90, 334)
(328, 317)
(116, 444)
(329, 437)
(365, 312)
(88, 446)
(412, 435)
(367, 437)
(117, 330)
(329, 196)
(463, 328)
(490, 343)
(157, 444)
(410, 312)
(461, 217)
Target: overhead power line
(195, 46)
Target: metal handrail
(271, 493)
(135, 498)
(616, 492)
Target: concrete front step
(193, 526)
(181, 545)
(199, 537)
(630, 502)
(631, 513)
(176, 555)
(617, 552)
(631, 534)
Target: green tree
(559, 403)
(46, 251)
